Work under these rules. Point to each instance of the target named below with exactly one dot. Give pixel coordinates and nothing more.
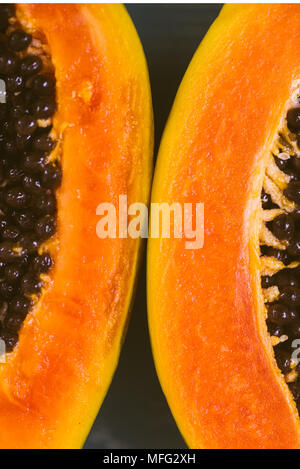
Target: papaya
(224, 318)
(76, 131)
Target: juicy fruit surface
(279, 246)
(28, 176)
(69, 343)
(206, 312)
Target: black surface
(135, 413)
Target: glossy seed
(283, 227)
(282, 164)
(25, 125)
(294, 247)
(16, 197)
(30, 284)
(295, 163)
(4, 221)
(23, 262)
(45, 227)
(43, 85)
(44, 108)
(52, 176)
(8, 251)
(296, 214)
(45, 204)
(267, 281)
(32, 184)
(294, 176)
(19, 305)
(14, 83)
(13, 323)
(287, 278)
(290, 296)
(13, 273)
(292, 191)
(8, 63)
(8, 128)
(33, 163)
(275, 330)
(7, 290)
(293, 119)
(31, 65)
(10, 146)
(18, 109)
(283, 359)
(19, 40)
(25, 220)
(23, 142)
(29, 243)
(280, 314)
(266, 201)
(279, 254)
(44, 143)
(10, 233)
(42, 263)
(2, 267)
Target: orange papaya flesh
(207, 310)
(56, 377)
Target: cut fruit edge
(205, 308)
(56, 378)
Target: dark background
(135, 413)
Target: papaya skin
(57, 376)
(207, 322)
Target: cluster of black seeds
(284, 313)
(27, 179)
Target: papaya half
(75, 132)
(225, 318)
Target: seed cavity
(29, 174)
(280, 246)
